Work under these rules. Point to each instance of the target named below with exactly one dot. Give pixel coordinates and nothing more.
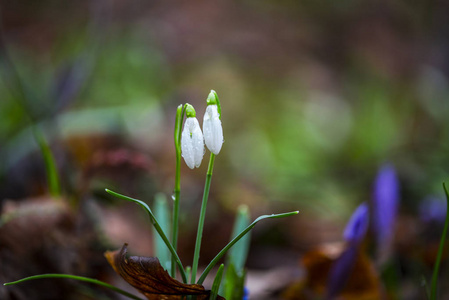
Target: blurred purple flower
(433, 209)
(358, 224)
(341, 270)
(385, 203)
(354, 234)
(245, 293)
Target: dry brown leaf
(363, 282)
(147, 275)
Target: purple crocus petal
(245, 293)
(358, 224)
(341, 270)
(433, 209)
(354, 233)
(385, 203)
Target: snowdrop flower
(213, 132)
(192, 143)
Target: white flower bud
(192, 143)
(213, 132)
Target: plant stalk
(433, 289)
(199, 234)
(177, 190)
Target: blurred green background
(315, 95)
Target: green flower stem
(199, 234)
(236, 239)
(80, 278)
(158, 229)
(175, 230)
(177, 190)
(433, 289)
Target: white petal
(213, 131)
(192, 144)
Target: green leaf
(234, 283)
(236, 258)
(80, 278)
(238, 254)
(237, 238)
(50, 164)
(217, 282)
(157, 227)
(433, 289)
(162, 214)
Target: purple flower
(245, 293)
(358, 224)
(383, 215)
(385, 203)
(341, 270)
(354, 233)
(433, 209)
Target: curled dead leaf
(363, 282)
(148, 276)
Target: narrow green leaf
(434, 283)
(157, 227)
(236, 257)
(234, 283)
(80, 278)
(162, 215)
(238, 254)
(237, 238)
(217, 282)
(50, 164)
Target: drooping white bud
(213, 132)
(192, 143)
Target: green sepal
(213, 99)
(190, 111)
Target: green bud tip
(179, 110)
(243, 209)
(190, 111)
(212, 98)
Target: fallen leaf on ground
(148, 276)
